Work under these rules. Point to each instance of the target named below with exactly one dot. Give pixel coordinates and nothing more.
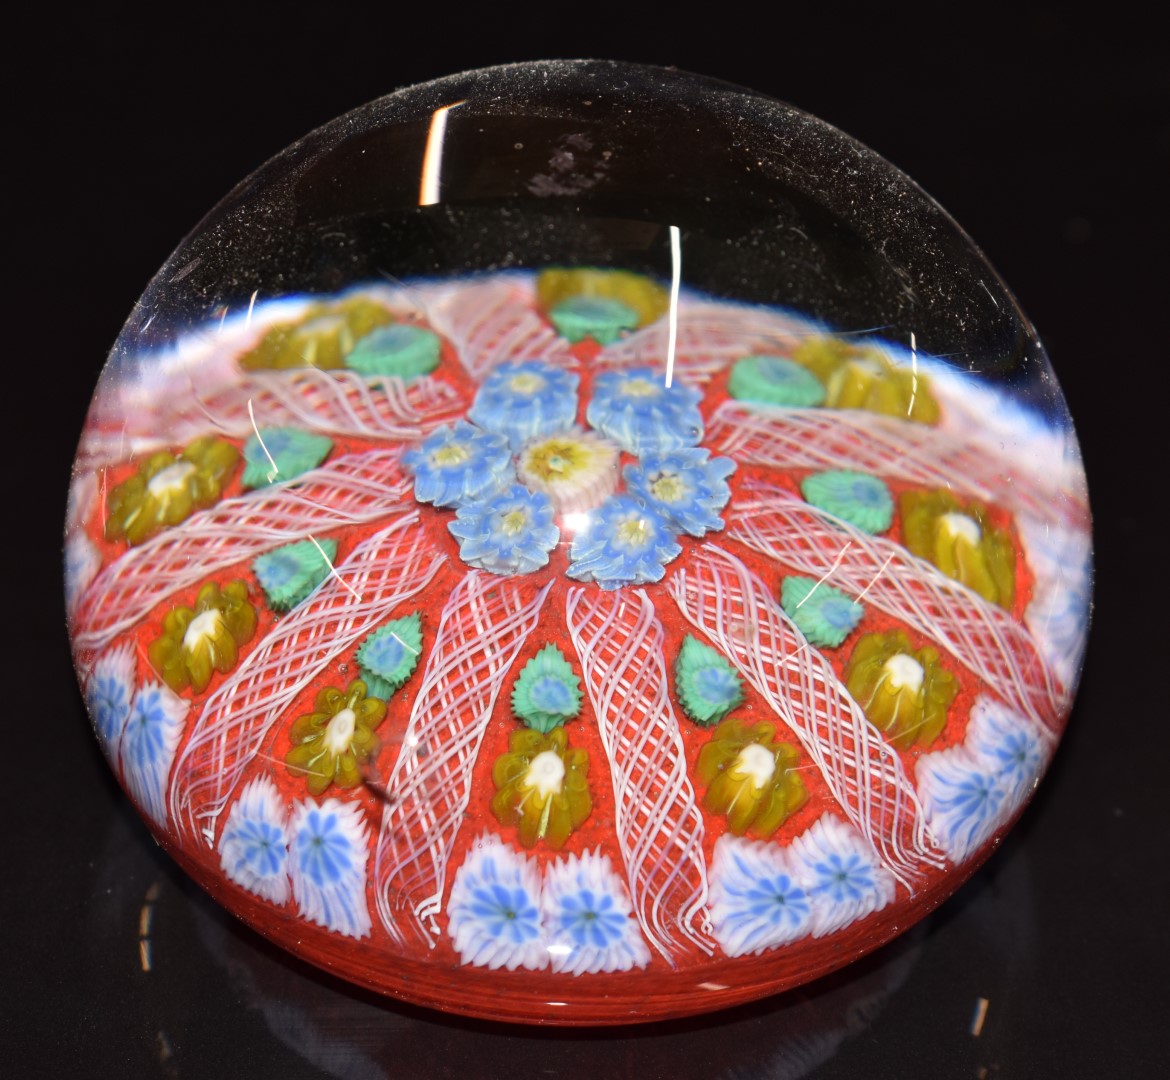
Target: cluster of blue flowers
(765, 895)
(501, 914)
(507, 528)
(313, 853)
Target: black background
(1046, 136)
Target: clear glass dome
(575, 543)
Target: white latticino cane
(494, 322)
(887, 446)
(981, 636)
(330, 402)
(483, 626)
(333, 402)
(351, 490)
(710, 337)
(101, 447)
(722, 598)
(388, 568)
(619, 641)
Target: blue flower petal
(642, 414)
(688, 486)
(756, 901)
(963, 800)
(587, 917)
(493, 914)
(840, 873)
(626, 542)
(149, 740)
(523, 401)
(327, 863)
(510, 532)
(254, 844)
(324, 851)
(1008, 744)
(108, 696)
(458, 463)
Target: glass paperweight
(578, 543)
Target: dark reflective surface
(1047, 142)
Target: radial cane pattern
(513, 545)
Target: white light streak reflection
(876, 577)
(832, 569)
(980, 1016)
(333, 570)
(274, 471)
(145, 922)
(428, 192)
(675, 284)
(913, 373)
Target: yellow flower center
(634, 532)
(852, 382)
(170, 481)
(669, 489)
(961, 527)
(904, 673)
(526, 383)
(556, 459)
(756, 763)
(339, 732)
(640, 388)
(514, 522)
(546, 773)
(452, 454)
(205, 626)
(310, 336)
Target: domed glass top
(575, 542)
